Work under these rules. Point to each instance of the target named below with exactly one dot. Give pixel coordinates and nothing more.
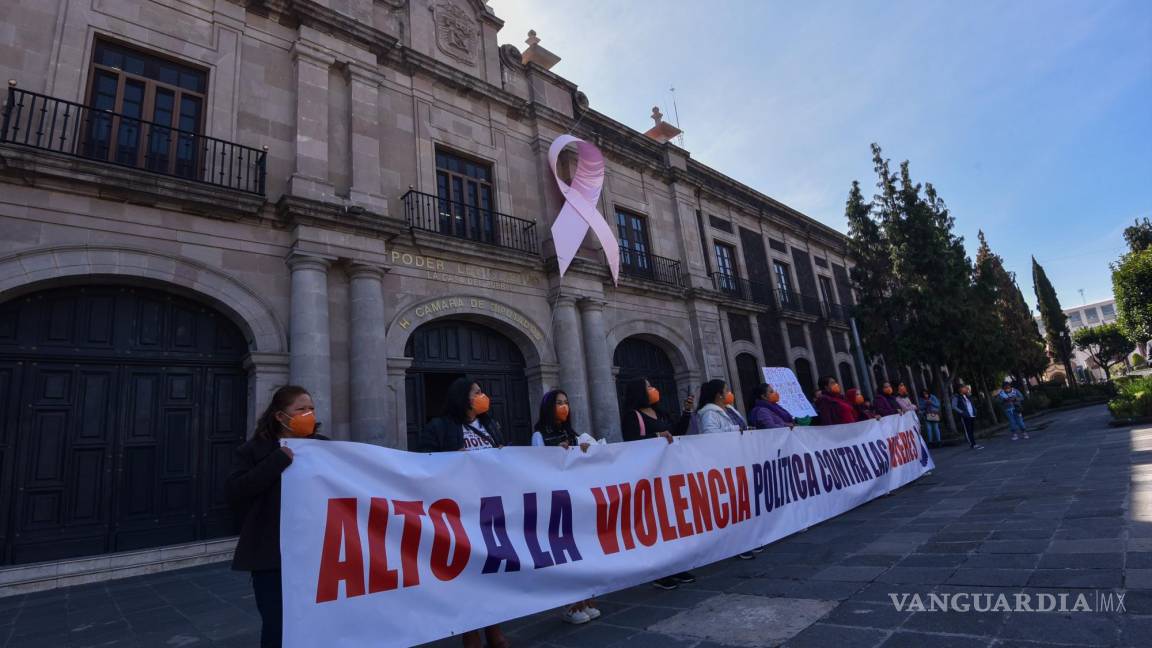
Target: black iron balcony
(469, 222)
(837, 312)
(793, 302)
(740, 288)
(41, 122)
(650, 267)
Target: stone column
(309, 341)
(598, 360)
(365, 128)
(570, 355)
(310, 176)
(368, 356)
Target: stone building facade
(201, 200)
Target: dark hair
(755, 395)
(636, 394)
(458, 400)
(825, 381)
(926, 392)
(267, 427)
(710, 390)
(546, 424)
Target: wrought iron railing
(469, 222)
(50, 124)
(741, 288)
(651, 267)
(837, 312)
(791, 301)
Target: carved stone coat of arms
(457, 33)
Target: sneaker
(684, 577)
(1026, 436)
(747, 555)
(978, 447)
(593, 613)
(575, 617)
(760, 549)
(666, 583)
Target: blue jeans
(932, 431)
(1015, 420)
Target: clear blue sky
(1032, 118)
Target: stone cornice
(294, 210)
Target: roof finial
(657, 116)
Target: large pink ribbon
(579, 212)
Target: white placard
(792, 397)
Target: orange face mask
(887, 391)
(834, 388)
(729, 399)
(562, 413)
(480, 404)
(859, 399)
(302, 425)
(653, 395)
(774, 397)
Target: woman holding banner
(904, 399)
(717, 413)
(465, 427)
(831, 405)
(861, 405)
(885, 403)
(253, 490)
(641, 418)
(765, 411)
(554, 428)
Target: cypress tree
(1055, 321)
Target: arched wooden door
(447, 349)
(803, 370)
(120, 409)
(639, 358)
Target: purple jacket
(885, 405)
(765, 416)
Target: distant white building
(1094, 314)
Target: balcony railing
(791, 301)
(837, 312)
(643, 265)
(49, 124)
(741, 288)
(469, 222)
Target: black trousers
(969, 430)
(266, 587)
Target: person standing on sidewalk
(1012, 401)
(930, 410)
(253, 491)
(964, 407)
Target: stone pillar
(365, 128)
(267, 372)
(570, 355)
(310, 176)
(598, 360)
(368, 356)
(309, 341)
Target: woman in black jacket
(465, 426)
(642, 419)
(253, 489)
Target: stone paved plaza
(1067, 512)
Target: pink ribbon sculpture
(579, 211)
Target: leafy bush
(1137, 360)
(1134, 398)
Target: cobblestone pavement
(1067, 512)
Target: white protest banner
(792, 397)
(385, 547)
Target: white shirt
(473, 441)
(714, 418)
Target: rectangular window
(1074, 319)
(777, 245)
(740, 326)
(466, 198)
(784, 283)
(1108, 310)
(725, 266)
(1093, 315)
(160, 106)
(821, 262)
(826, 292)
(720, 224)
(632, 230)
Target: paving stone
(1002, 561)
(1013, 546)
(916, 575)
(1138, 560)
(841, 573)
(1138, 578)
(1103, 578)
(822, 635)
(1082, 561)
(990, 576)
(872, 615)
(639, 616)
(1086, 546)
(904, 639)
(1079, 628)
(745, 620)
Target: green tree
(1132, 288)
(1139, 235)
(1015, 345)
(1055, 321)
(1106, 344)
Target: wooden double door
(447, 349)
(120, 409)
